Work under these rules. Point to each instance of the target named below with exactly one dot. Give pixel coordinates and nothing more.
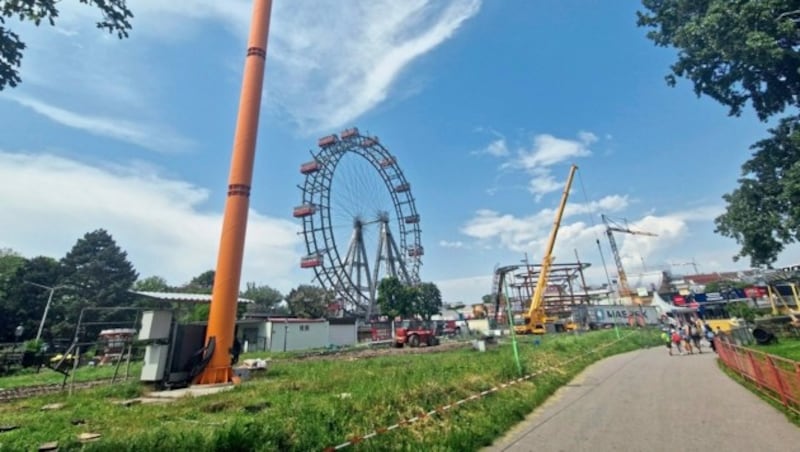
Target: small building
(343, 331)
(263, 332)
(287, 334)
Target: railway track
(24, 392)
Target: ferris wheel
(360, 222)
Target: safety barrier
(776, 377)
(356, 439)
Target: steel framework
(346, 269)
(565, 287)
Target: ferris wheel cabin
(402, 188)
(369, 141)
(304, 210)
(311, 261)
(328, 141)
(310, 167)
(411, 219)
(387, 162)
(349, 133)
(416, 251)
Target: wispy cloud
(448, 244)
(328, 73)
(497, 148)
(159, 221)
(323, 73)
(152, 136)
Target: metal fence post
(778, 380)
(756, 369)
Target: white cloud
(326, 66)
(447, 244)
(537, 160)
(151, 136)
(548, 150)
(467, 290)
(49, 202)
(326, 73)
(497, 148)
(531, 233)
(521, 234)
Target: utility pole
(46, 306)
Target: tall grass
(309, 405)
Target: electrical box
(155, 362)
(155, 325)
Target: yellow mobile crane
(535, 318)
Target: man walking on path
(628, 403)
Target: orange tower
(222, 316)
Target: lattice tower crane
(611, 227)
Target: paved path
(648, 401)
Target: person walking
(665, 337)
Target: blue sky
(485, 104)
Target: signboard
(755, 292)
(615, 314)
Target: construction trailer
(598, 317)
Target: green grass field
(311, 404)
(29, 377)
(786, 347)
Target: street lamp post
(46, 306)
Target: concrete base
(191, 391)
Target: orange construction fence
(776, 377)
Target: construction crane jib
(535, 318)
(611, 228)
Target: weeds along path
(352, 355)
(23, 392)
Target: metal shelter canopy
(183, 297)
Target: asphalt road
(649, 401)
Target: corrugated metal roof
(182, 297)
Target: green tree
(202, 283)
(151, 284)
(763, 213)
(733, 51)
(396, 299)
(115, 19)
(428, 300)
(742, 310)
(100, 275)
(740, 52)
(10, 261)
(24, 303)
(308, 301)
(265, 298)
(717, 286)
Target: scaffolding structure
(566, 288)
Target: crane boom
(534, 319)
(611, 227)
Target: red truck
(414, 333)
